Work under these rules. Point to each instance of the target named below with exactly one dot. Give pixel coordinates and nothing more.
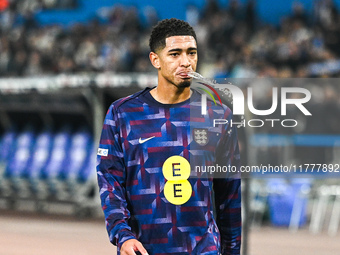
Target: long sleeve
(227, 189)
(111, 180)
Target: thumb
(141, 249)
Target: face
(175, 60)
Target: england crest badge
(201, 136)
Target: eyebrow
(179, 49)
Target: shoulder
(129, 101)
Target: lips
(183, 74)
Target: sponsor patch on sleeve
(103, 152)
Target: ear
(154, 58)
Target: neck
(171, 95)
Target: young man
(153, 199)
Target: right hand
(130, 246)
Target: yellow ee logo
(177, 189)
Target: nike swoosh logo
(145, 140)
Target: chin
(184, 84)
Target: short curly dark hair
(167, 28)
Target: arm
(111, 181)
(227, 191)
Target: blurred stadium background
(62, 63)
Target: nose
(185, 62)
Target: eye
(175, 54)
(193, 53)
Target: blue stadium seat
(59, 151)
(282, 199)
(40, 155)
(77, 158)
(90, 167)
(57, 159)
(6, 150)
(20, 159)
(301, 188)
(7, 144)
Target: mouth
(184, 75)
